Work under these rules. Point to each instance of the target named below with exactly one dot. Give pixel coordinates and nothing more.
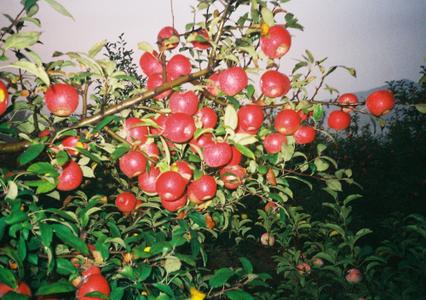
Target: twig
(173, 13)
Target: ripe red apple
(233, 80)
(161, 122)
(353, 276)
(302, 115)
(339, 120)
(276, 42)
(201, 142)
(4, 98)
(250, 118)
(22, 289)
(274, 84)
(232, 176)
(183, 168)
(204, 44)
(70, 142)
(125, 202)
(202, 189)
(236, 157)
(148, 180)
(150, 64)
(213, 85)
(267, 239)
(150, 150)
(271, 206)
(170, 186)
(217, 154)
(348, 99)
(91, 270)
(287, 121)
(94, 283)
(132, 163)
(70, 177)
(178, 65)
(135, 131)
(4, 289)
(273, 142)
(380, 102)
(154, 81)
(305, 135)
(173, 206)
(303, 268)
(168, 38)
(179, 128)
(44, 133)
(208, 117)
(61, 99)
(184, 102)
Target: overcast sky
(382, 39)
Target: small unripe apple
(273, 142)
(213, 85)
(184, 102)
(148, 180)
(178, 65)
(274, 84)
(4, 98)
(303, 268)
(204, 44)
(150, 64)
(380, 102)
(170, 186)
(353, 276)
(232, 176)
(61, 99)
(125, 202)
(276, 42)
(154, 81)
(183, 168)
(305, 135)
(179, 128)
(250, 118)
(135, 130)
(132, 163)
(208, 117)
(349, 99)
(217, 154)
(267, 239)
(175, 205)
(233, 80)
(287, 121)
(94, 283)
(202, 189)
(168, 38)
(70, 177)
(339, 120)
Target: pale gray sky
(382, 39)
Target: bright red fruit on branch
(213, 85)
(287, 121)
(276, 42)
(184, 102)
(4, 289)
(178, 65)
(217, 154)
(233, 80)
(250, 118)
(170, 186)
(183, 168)
(135, 131)
(175, 205)
(70, 143)
(154, 81)
(150, 150)
(147, 181)
(201, 142)
(274, 142)
(94, 283)
(274, 84)
(236, 157)
(161, 122)
(339, 120)
(70, 177)
(22, 289)
(132, 163)
(353, 276)
(168, 38)
(150, 64)
(4, 98)
(303, 268)
(125, 202)
(349, 99)
(202, 189)
(208, 117)
(305, 135)
(232, 176)
(380, 102)
(179, 128)
(201, 40)
(91, 270)
(61, 99)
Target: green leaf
(105, 121)
(245, 151)
(62, 157)
(247, 266)
(59, 8)
(164, 288)
(267, 16)
(96, 48)
(321, 164)
(318, 112)
(231, 117)
(65, 266)
(46, 234)
(220, 277)
(144, 46)
(7, 277)
(43, 168)
(30, 154)
(120, 151)
(12, 190)
(172, 264)
(68, 237)
(238, 295)
(97, 295)
(88, 154)
(21, 40)
(421, 107)
(58, 287)
(32, 68)
(334, 185)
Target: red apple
(204, 43)
(353, 276)
(4, 289)
(213, 85)
(44, 133)
(154, 81)
(233, 80)
(179, 128)
(184, 102)
(305, 135)
(150, 150)
(339, 120)
(70, 143)
(217, 154)
(232, 176)
(302, 115)
(92, 270)
(276, 42)
(161, 122)
(274, 84)
(148, 180)
(150, 64)
(202, 189)
(183, 168)
(250, 118)
(4, 98)
(273, 142)
(135, 130)
(236, 157)
(61, 99)
(201, 142)
(168, 38)
(125, 202)
(287, 121)
(70, 177)
(94, 283)
(173, 206)
(348, 99)
(208, 117)
(380, 102)
(132, 163)
(178, 65)
(170, 186)
(271, 206)
(303, 268)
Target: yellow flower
(147, 249)
(196, 294)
